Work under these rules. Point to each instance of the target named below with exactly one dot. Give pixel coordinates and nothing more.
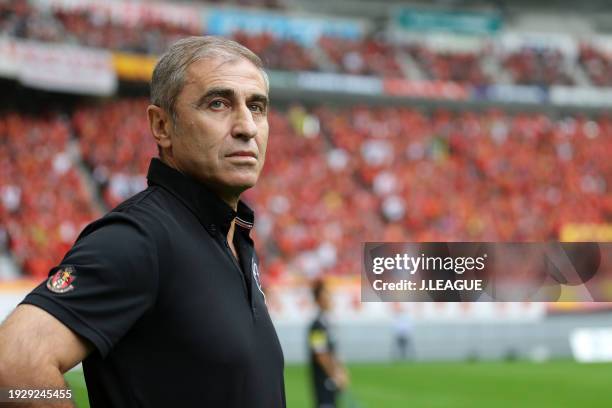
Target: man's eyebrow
(216, 92)
(229, 93)
(258, 98)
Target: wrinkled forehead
(231, 72)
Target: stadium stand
(463, 67)
(505, 178)
(483, 175)
(44, 202)
(115, 144)
(277, 53)
(21, 19)
(597, 65)
(538, 67)
(373, 55)
(370, 56)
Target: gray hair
(169, 73)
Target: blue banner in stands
(305, 30)
(522, 94)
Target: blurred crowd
(44, 203)
(276, 53)
(462, 67)
(21, 19)
(369, 56)
(334, 178)
(116, 146)
(372, 55)
(539, 67)
(597, 65)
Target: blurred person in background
(402, 330)
(161, 298)
(329, 375)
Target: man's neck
(230, 199)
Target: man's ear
(161, 126)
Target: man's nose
(244, 126)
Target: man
(329, 376)
(402, 329)
(160, 298)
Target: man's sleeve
(317, 339)
(105, 283)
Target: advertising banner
(511, 94)
(294, 304)
(65, 68)
(133, 67)
(419, 20)
(350, 84)
(426, 89)
(9, 65)
(583, 232)
(283, 79)
(305, 30)
(582, 97)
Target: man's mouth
(243, 154)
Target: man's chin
(234, 183)
(241, 184)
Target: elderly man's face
(222, 125)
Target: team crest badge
(61, 281)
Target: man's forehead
(238, 74)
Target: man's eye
(257, 108)
(218, 104)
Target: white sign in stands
(56, 67)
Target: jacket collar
(211, 210)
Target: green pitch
(560, 384)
